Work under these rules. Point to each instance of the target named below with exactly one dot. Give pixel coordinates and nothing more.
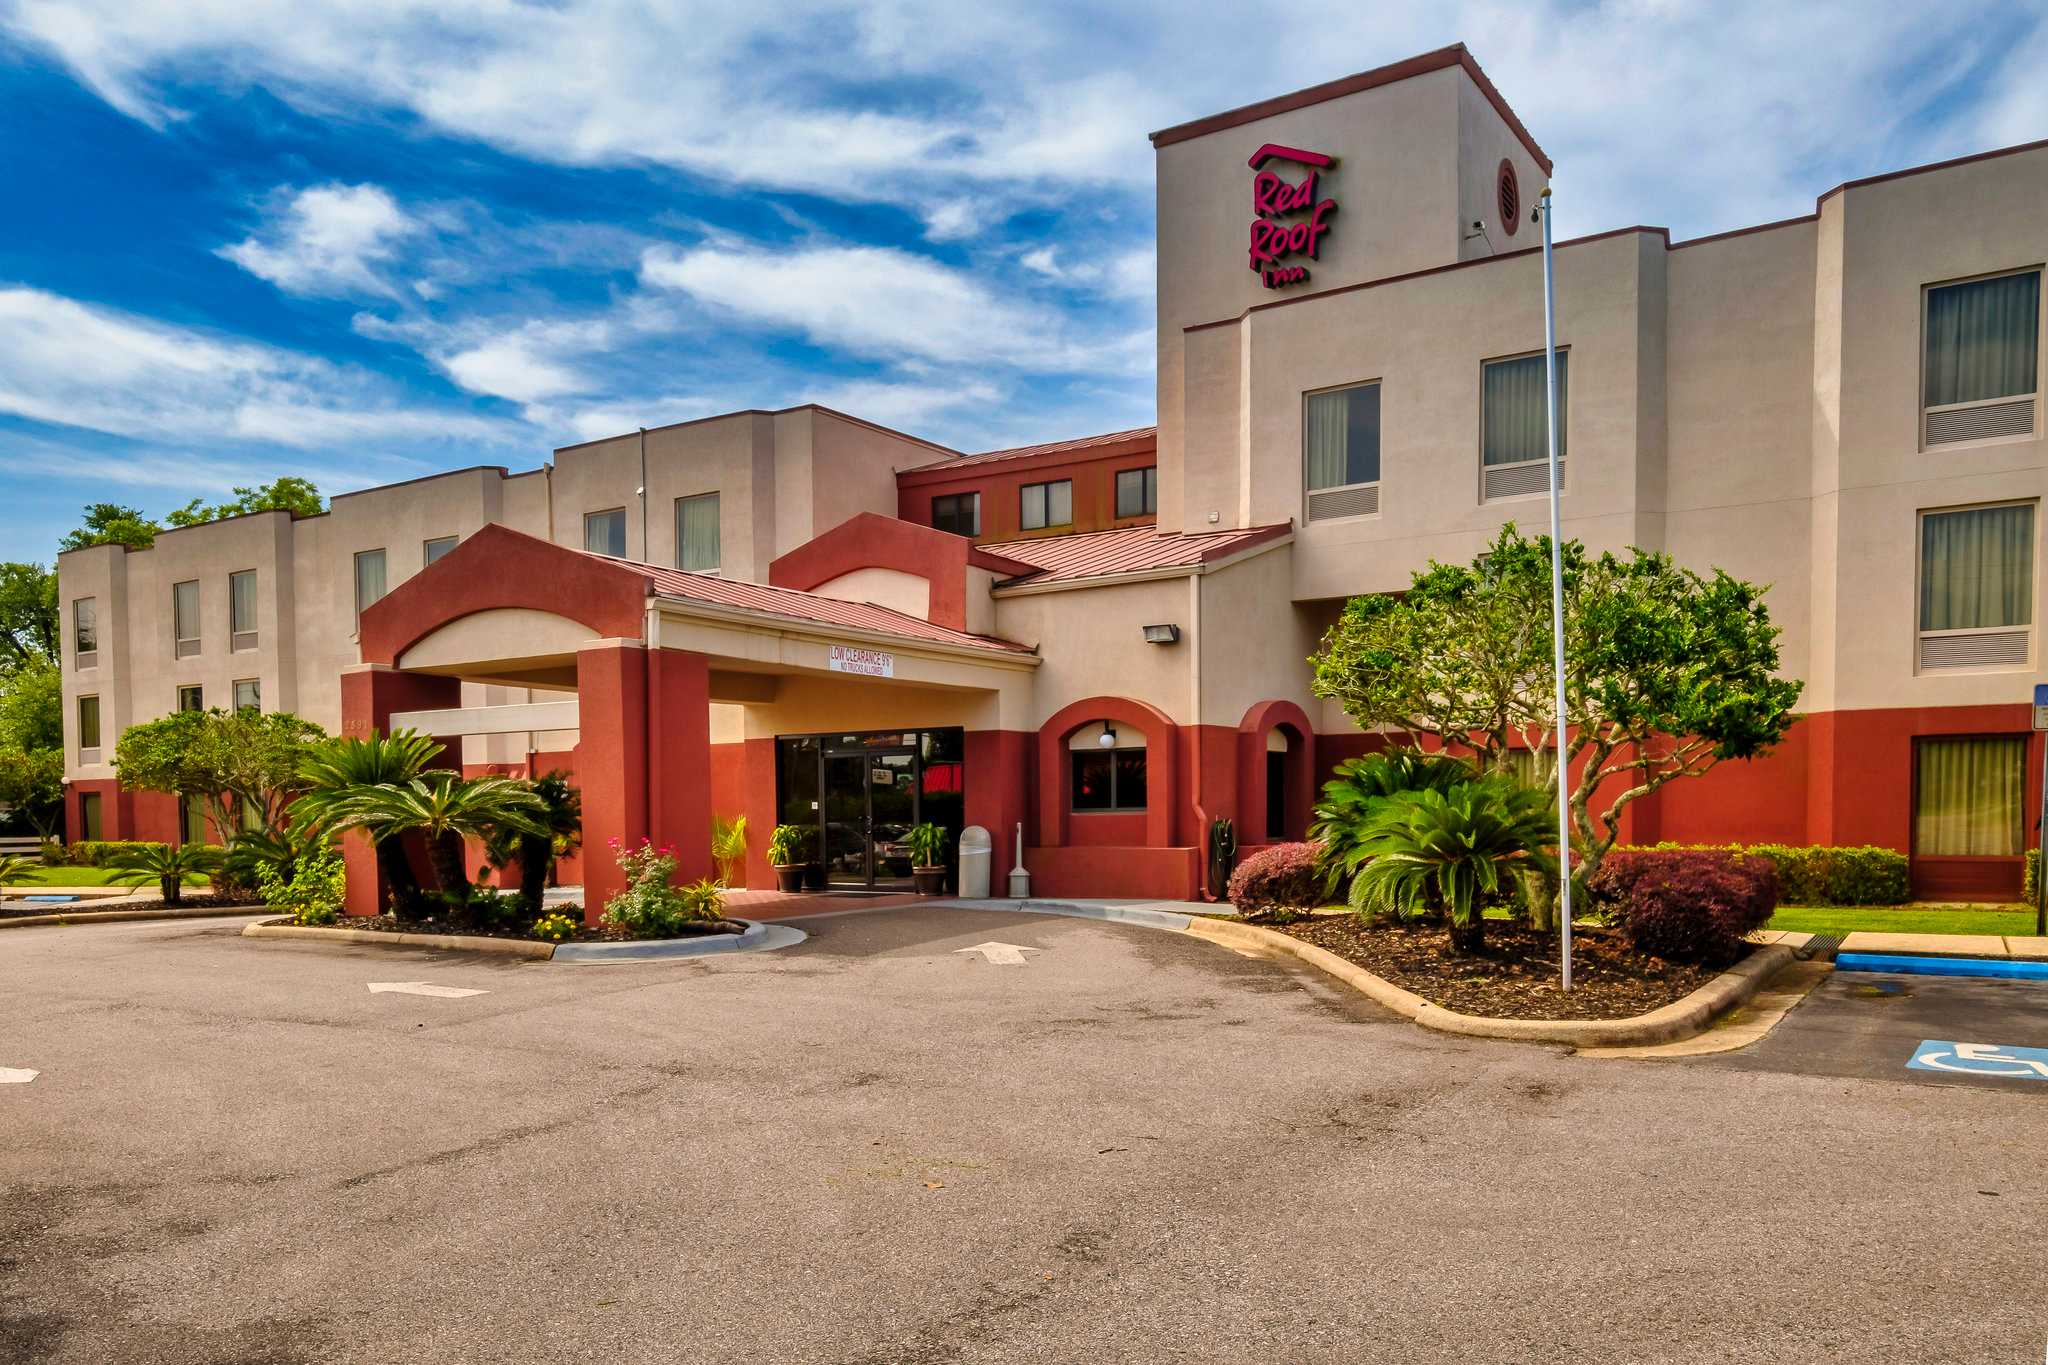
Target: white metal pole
(1564, 819)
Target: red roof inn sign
(1280, 230)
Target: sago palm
(555, 831)
(444, 809)
(1437, 852)
(14, 869)
(1352, 799)
(170, 866)
(337, 770)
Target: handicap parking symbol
(1981, 1059)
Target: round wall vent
(1510, 196)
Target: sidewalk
(2027, 949)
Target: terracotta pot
(789, 879)
(930, 881)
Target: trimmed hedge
(2033, 874)
(1686, 904)
(1279, 883)
(1819, 874)
(92, 852)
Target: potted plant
(927, 846)
(788, 852)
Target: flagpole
(1564, 819)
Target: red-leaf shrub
(1686, 904)
(1279, 883)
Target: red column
(369, 694)
(998, 777)
(644, 760)
(679, 758)
(762, 812)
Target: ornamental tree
(1667, 671)
(243, 765)
(32, 782)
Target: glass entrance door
(870, 803)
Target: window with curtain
(248, 694)
(89, 816)
(1137, 492)
(1969, 796)
(1342, 437)
(1047, 504)
(191, 821)
(369, 579)
(959, 513)
(88, 723)
(431, 550)
(242, 609)
(604, 533)
(1982, 340)
(192, 697)
(1977, 568)
(697, 548)
(1515, 414)
(185, 618)
(85, 631)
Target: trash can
(974, 863)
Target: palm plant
(335, 771)
(1443, 852)
(444, 809)
(170, 866)
(559, 829)
(729, 847)
(1353, 796)
(14, 868)
(281, 847)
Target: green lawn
(1905, 919)
(78, 876)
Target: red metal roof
(1109, 438)
(1096, 554)
(809, 607)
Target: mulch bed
(585, 933)
(1515, 975)
(86, 905)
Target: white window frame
(89, 753)
(241, 641)
(356, 571)
(625, 545)
(427, 555)
(1987, 634)
(198, 691)
(81, 657)
(1148, 484)
(1342, 501)
(186, 646)
(2040, 358)
(717, 569)
(1044, 490)
(235, 695)
(1564, 429)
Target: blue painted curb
(1941, 966)
(758, 938)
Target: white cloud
(509, 369)
(72, 364)
(326, 240)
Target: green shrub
(1686, 904)
(170, 866)
(100, 852)
(1278, 884)
(314, 892)
(1426, 853)
(2033, 877)
(1823, 875)
(651, 906)
(555, 928)
(1352, 796)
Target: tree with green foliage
(334, 772)
(242, 765)
(28, 615)
(109, 523)
(1444, 852)
(32, 782)
(1667, 671)
(289, 493)
(32, 705)
(555, 829)
(444, 808)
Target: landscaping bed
(1515, 976)
(585, 933)
(85, 905)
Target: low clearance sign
(1290, 221)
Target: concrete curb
(757, 938)
(1679, 1019)
(109, 916)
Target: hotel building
(802, 617)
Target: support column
(369, 694)
(998, 777)
(644, 760)
(679, 759)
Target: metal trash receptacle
(975, 857)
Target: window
(85, 632)
(242, 610)
(1969, 795)
(440, 545)
(959, 513)
(697, 548)
(192, 697)
(89, 816)
(1047, 504)
(191, 821)
(369, 580)
(604, 533)
(1341, 452)
(248, 694)
(88, 729)
(1514, 440)
(1107, 777)
(1980, 359)
(185, 619)
(1137, 492)
(1976, 587)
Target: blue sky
(361, 242)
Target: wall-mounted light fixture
(1162, 635)
(1107, 739)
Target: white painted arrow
(421, 988)
(17, 1075)
(1002, 954)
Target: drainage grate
(1821, 946)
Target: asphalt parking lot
(874, 1148)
